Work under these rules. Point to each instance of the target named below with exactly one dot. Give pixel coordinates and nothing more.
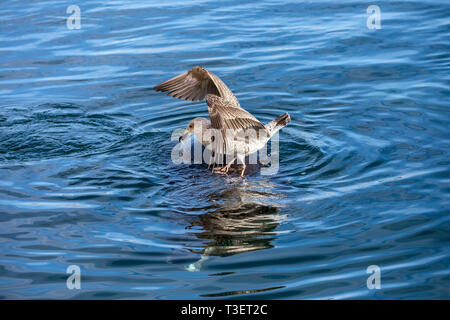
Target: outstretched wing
(225, 116)
(195, 84)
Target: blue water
(86, 176)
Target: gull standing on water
(231, 130)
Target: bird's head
(196, 126)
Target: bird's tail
(273, 126)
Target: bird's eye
(190, 126)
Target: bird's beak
(184, 136)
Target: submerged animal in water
(231, 130)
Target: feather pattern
(224, 115)
(195, 84)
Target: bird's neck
(203, 132)
(206, 136)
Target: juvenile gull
(231, 130)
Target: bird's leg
(243, 169)
(224, 169)
(242, 159)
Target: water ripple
(86, 175)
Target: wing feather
(195, 84)
(225, 116)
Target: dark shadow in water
(242, 218)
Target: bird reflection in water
(242, 218)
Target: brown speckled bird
(229, 122)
